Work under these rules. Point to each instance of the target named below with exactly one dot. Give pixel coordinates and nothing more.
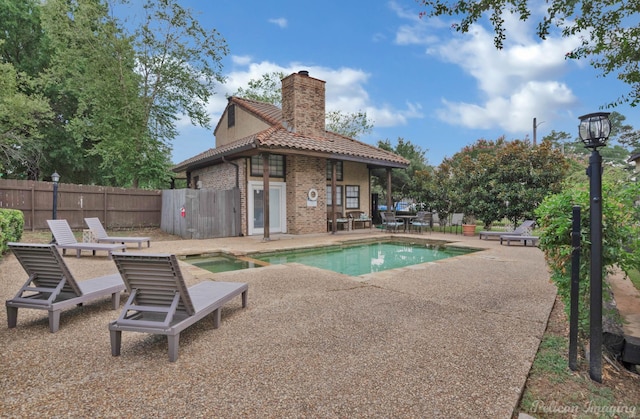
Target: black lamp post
(55, 177)
(594, 132)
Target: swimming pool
(365, 258)
(350, 259)
(221, 263)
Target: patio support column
(265, 193)
(334, 198)
(389, 199)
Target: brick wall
(303, 174)
(303, 104)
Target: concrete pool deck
(451, 338)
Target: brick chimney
(303, 100)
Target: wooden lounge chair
(101, 235)
(51, 285)
(65, 239)
(520, 230)
(160, 303)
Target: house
(309, 174)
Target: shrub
(619, 237)
(11, 227)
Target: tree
(180, 62)
(491, 180)
(608, 30)
(93, 63)
(404, 182)
(351, 125)
(25, 43)
(268, 89)
(20, 118)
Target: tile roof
(280, 140)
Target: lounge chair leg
(116, 342)
(12, 316)
(174, 342)
(216, 318)
(54, 321)
(244, 298)
(115, 300)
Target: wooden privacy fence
(201, 213)
(115, 207)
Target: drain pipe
(237, 170)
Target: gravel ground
(453, 338)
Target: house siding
(245, 124)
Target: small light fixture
(595, 129)
(55, 177)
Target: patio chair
(52, 287)
(160, 302)
(520, 230)
(423, 220)
(456, 221)
(390, 222)
(101, 235)
(64, 239)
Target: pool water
(365, 258)
(217, 264)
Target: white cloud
(345, 90)
(516, 83)
(511, 113)
(241, 59)
(282, 22)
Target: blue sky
(416, 78)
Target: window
(231, 116)
(352, 196)
(338, 170)
(338, 195)
(276, 165)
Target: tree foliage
(20, 118)
(405, 183)
(116, 96)
(266, 89)
(609, 33)
(491, 180)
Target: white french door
(277, 207)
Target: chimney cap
(303, 73)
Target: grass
(634, 276)
(554, 391)
(551, 358)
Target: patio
(451, 338)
